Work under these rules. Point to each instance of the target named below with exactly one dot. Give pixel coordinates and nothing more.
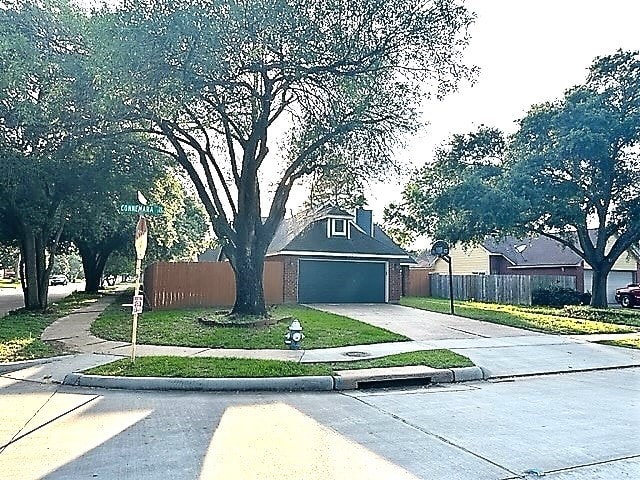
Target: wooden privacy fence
(509, 289)
(418, 283)
(206, 284)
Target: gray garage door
(321, 281)
(616, 279)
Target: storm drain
(357, 354)
(393, 383)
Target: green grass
(20, 331)
(619, 316)
(4, 283)
(623, 342)
(181, 328)
(190, 367)
(430, 358)
(538, 319)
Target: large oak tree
(251, 96)
(571, 172)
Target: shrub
(556, 297)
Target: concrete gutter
(344, 380)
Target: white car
(58, 280)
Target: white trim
(337, 260)
(386, 282)
(339, 233)
(346, 217)
(333, 254)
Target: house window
(338, 227)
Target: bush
(556, 297)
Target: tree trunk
(248, 271)
(43, 271)
(93, 263)
(599, 287)
(30, 281)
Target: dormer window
(338, 227)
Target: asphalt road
(12, 298)
(569, 427)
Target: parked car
(58, 280)
(628, 296)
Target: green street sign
(142, 209)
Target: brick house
(331, 256)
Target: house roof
(538, 251)
(532, 251)
(424, 259)
(307, 232)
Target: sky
(529, 52)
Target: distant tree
(216, 79)
(337, 185)
(9, 256)
(573, 164)
(98, 229)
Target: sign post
(141, 248)
(441, 249)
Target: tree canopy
(571, 172)
(44, 116)
(217, 79)
(64, 167)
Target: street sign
(142, 209)
(138, 301)
(141, 238)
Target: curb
(294, 384)
(289, 384)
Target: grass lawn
(624, 342)
(4, 283)
(190, 367)
(20, 331)
(181, 327)
(539, 319)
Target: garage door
(614, 280)
(324, 281)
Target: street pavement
(12, 298)
(567, 427)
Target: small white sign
(138, 301)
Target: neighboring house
(331, 256)
(536, 255)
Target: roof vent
(521, 248)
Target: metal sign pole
(134, 327)
(441, 249)
(141, 247)
(448, 260)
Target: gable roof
(538, 251)
(532, 251)
(307, 232)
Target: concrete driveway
(501, 351)
(420, 324)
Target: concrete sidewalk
(500, 351)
